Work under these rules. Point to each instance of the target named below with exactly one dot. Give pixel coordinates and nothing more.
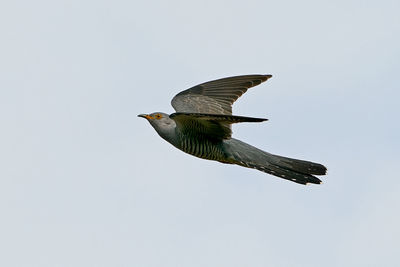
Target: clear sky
(84, 182)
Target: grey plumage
(202, 123)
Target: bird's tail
(295, 170)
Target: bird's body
(202, 147)
(202, 127)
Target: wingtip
(265, 77)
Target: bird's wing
(213, 126)
(215, 97)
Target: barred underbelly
(202, 148)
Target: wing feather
(216, 97)
(210, 126)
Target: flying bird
(201, 126)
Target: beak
(148, 117)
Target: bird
(201, 126)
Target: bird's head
(161, 122)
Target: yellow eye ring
(158, 116)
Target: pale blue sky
(84, 182)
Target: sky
(85, 182)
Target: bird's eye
(158, 116)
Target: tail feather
(302, 166)
(290, 175)
(298, 171)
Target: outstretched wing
(215, 97)
(210, 126)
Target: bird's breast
(202, 148)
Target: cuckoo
(201, 126)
